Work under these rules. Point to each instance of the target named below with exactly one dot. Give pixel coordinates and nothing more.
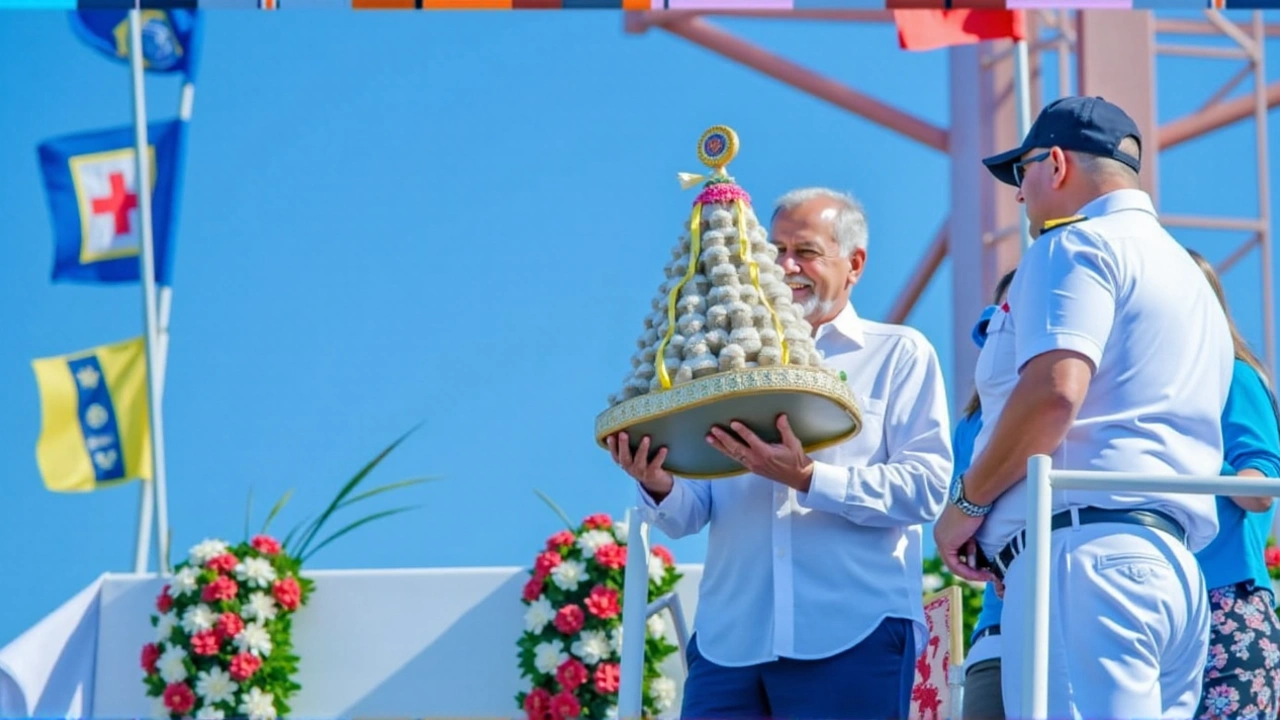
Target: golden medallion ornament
(724, 341)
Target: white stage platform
(414, 643)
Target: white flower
(207, 550)
(257, 571)
(261, 606)
(657, 626)
(538, 615)
(171, 666)
(158, 708)
(197, 618)
(615, 639)
(255, 639)
(208, 712)
(215, 686)
(620, 530)
(592, 646)
(258, 705)
(548, 656)
(611, 713)
(591, 540)
(185, 581)
(165, 625)
(568, 574)
(657, 568)
(932, 583)
(663, 692)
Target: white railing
(1042, 480)
(636, 610)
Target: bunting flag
(95, 426)
(933, 29)
(91, 185)
(168, 37)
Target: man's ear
(857, 263)
(1059, 159)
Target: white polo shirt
(1118, 289)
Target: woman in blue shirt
(1242, 675)
(982, 694)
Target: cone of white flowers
(570, 652)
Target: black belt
(986, 632)
(1087, 516)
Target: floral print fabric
(1242, 673)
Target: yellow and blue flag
(169, 36)
(91, 185)
(95, 428)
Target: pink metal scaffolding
(981, 234)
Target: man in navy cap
(1111, 354)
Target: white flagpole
(154, 364)
(1022, 78)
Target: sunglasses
(1019, 173)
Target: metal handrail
(1042, 480)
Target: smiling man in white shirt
(810, 602)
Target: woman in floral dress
(1242, 673)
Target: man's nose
(787, 262)
(1021, 200)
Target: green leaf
(276, 509)
(356, 524)
(284, 544)
(555, 508)
(385, 488)
(351, 485)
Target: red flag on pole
(933, 29)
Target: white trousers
(1128, 625)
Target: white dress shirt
(809, 575)
(1118, 289)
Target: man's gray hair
(1105, 168)
(850, 224)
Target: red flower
(164, 603)
(569, 619)
(228, 625)
(287, 593)
(243, 666)
(602, 602)
(265, 544)
(224, 563)
(222, 588)
(538, 704)
(571, 674)
(179, 698)
(565, 705)
(664, 554)
(150, 654)
(564, 538)
(599, 520)
(532, 589)
(545, 563)
(611, 556)
(607, 675)
(1272, 556)
(205, 642)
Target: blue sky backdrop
(452, 217)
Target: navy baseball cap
(1083, 124)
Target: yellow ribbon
(744, 251)
(695, 251)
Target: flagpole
(143, 165)
(1022, 77)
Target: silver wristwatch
(966, 507)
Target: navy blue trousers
(870, 681)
